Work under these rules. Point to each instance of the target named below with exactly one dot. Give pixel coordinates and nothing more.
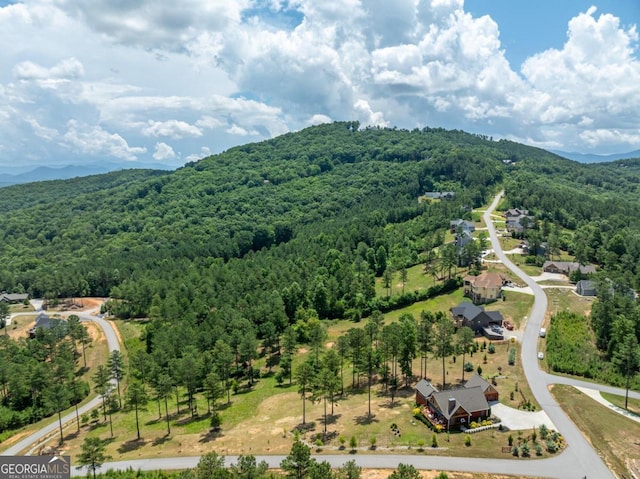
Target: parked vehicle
(507, 324)
(543, 332)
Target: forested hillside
(240, 245)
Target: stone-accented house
(456, 407)
(585, 287)
(567, 267)
(484, 288)
(13, 298)
(479, 320)
(461, 225)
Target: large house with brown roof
(484, 288)
(456, 407)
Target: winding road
(35, 438)
(578, 460)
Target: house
(567, 267)
(43, 321)
(480, 321)
(461, 225)
(13, 298)
(484, 288)
(463, 238)
(439, 195)
(585, 287)
(490, 392)
(456, 407)
(515, 213)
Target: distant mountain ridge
(591, 158)
(15, 176)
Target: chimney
(452, 404)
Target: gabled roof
(570, 266)
(495, 316)
(486, 280)
(467, 310)
(425, 388)
(470, 399)
(13, 296)
(477, 381)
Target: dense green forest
(294, 229)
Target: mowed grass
(614, 436)
(633, 405)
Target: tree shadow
(131, 445)
(211, 435)
(306, 427)
(98, 425)
(159, 441)
(192, 419)
(331, 418)
(365, 419)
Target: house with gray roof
(459, 406)
(480, 321)
(567, 267)
(586, 287)
(43, 321)
(13, 298)
(461, 225)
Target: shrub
(515, 451)
(473, 425)
(420, 444)
(492, 348)
(442, 475)
(484, 359)
(512, 356)
(510, 439)
(479, 371)
(538, 449)
(373, 441)
(467, 440)
(468, 367)
(526, 449)
(416, 411)
(353, 442)
(434, 441)
(544, 431)
(342, 440)
(552, 446)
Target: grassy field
(633, 404)
(616, 438)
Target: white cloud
(67, 69)
(94, 140)
(163, 152)
(173, 129)
(213, 73)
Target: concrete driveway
(515, 419)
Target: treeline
(40, 376)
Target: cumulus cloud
(173, 129)
(67, 69)
(213, 73)
(163, 152)
(94, 140)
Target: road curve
(583, 459)
(27, 442)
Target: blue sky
(168, 82)
(527, 28)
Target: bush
(510, 439)
(515, 451)
(468, 367)
(434, 441)
(538, 449)
(526, 450)
(473, 425)
(552, 446)
(512, 356)
(467, 440)
(544, 431)
(416, 412)
(491, 348)
(353, 442)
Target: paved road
(27, 442)
(585, 461)
(578, 460)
